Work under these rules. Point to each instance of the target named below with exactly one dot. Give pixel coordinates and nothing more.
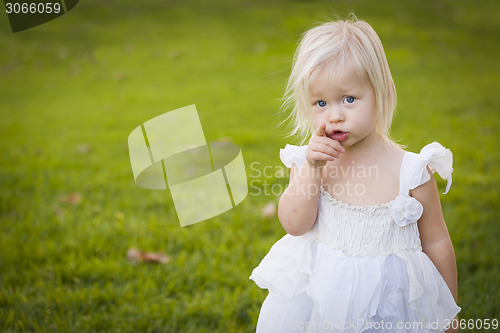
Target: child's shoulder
(392, 153)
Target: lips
(338, 135)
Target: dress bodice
(362, 230)
(377, 229)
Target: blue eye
(348, 99)
(321, 104)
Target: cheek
(314, 125)
(316, 119)
(370, 110)
(373, 119)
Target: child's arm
(436, 242)
(298, 206)
(434, 236)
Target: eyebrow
(314, 94)
(342, 90)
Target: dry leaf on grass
(138, 256)
(174, 54)
(72, 198)
(120, 215)
(84, 148)
(269, 210)
(59, 212)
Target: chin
(346, 143)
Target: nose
(336, 115)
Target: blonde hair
(334, 46)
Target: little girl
(367, 248)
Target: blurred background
(72, 90)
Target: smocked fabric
(362, 230)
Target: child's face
(346, 105)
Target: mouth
(338, 135)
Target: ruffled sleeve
(285, 270)
(293, 155)
(438, 158)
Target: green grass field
(73, 89)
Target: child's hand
(322, 149)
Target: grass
(73, 89)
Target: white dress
(360, 268)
